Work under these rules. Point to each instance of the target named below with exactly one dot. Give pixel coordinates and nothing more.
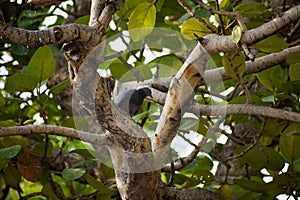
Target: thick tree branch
(219, 74)
(188, 194)
(54, 35)
(99, 139)
(216, 43)
(245, 109)
(260, 64)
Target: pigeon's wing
(122, 99)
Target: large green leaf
(251, 9)
(21, 82)
(10, 152)
(271, 44)
(192, 26)
(12, 176)
(129, 7)
(60, 86)
(199, 163)
(121, 72)
(293, 58)
(236, 59)
(271, 78)
(169, 62)
(72, 174)
(98, 185)
(143, 18)
(252, 185)
(48, 192)
(265, 158)
(294, 72)
(290, 87)
(42, 65)
(289, 146)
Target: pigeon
(131, 100)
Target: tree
(222, 123)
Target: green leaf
(237, 59)
(42, 65)
(60, 86)
(224, 4)
(289, 146)
(290, 87)
(192, 26)
(170, 63)
(15, 140)
(271, 44)
(86, 153)
(72, 174)
(10, 152)
(159, 4)
(294, 72)
(265, 158)
(293, 58)
(76, 122)
(204, 176)
(2, 100)
(3, 163)
(48, 192)
(143, 18)
(189, 123)
(19, 50)
(12, 177)
(129, 7)
(252, 185)
(271, 78)
(118, 69)
(199, 163)
(236, 34)
(123, 74)
(21, 82)
(251, 9)
(98, 185)
(83, 20)
(31, 19)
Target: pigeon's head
(146, 92)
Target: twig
(133, 70)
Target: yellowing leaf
(143, 18)
(236, 34)
(192, 26)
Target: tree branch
(245, 109)
(219, 74)
(214, 43)
(99, 139)
(54, 35)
